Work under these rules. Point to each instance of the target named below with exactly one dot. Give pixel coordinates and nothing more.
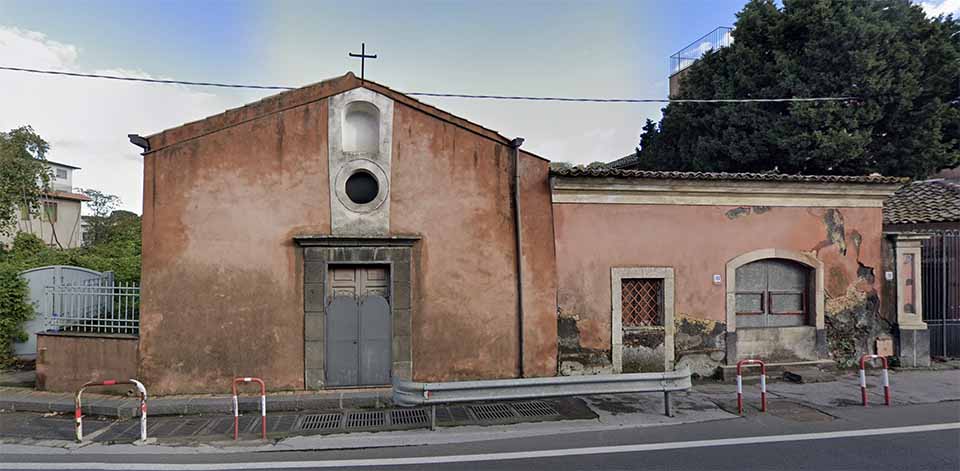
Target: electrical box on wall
(717, 279)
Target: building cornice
(718, 193)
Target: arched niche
(361, 127)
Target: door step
(811, 371)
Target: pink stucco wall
(697, 241)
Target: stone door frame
(617, 275)
(817, 303)
(318, 253)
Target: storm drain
(319, 422)
(409, 417)
(535, 409)
(492, 411)
(365, 419)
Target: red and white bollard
(263, 406)
(763, 384)
(863, 378)
(78, 408)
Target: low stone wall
(66, 361)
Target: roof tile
(923, 202)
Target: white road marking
(517, 455)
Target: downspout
(516, 143)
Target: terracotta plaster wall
(698, 241)
(453, 189)
(222, 278)
(65, 362)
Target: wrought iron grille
(92, 308)
(642, 302)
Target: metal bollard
(263, 407)
(863, 378)
(763, 383)
(78, 407)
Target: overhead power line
(442, 95)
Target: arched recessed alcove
(361, 127)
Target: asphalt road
(900, 438)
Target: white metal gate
(44, 305)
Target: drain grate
(365, 419)
(409, 417)
(492, 411)
(319, 422)
(535, 409)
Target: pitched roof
(923, 202)
(302, 96)
(760, 177)
(624, 162)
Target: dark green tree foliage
(905, 66)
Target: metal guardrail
(409, 393)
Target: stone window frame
(910, 244)
(810, 261)
(617, 275)
(318, 253)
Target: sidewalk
(397, 427)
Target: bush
(15, 309)
(119, 254)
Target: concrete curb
(25, 400)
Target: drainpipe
(516, 143)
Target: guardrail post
(263, 406)
(763, 383)
(78, 406)
(863, 378)
(667, 408)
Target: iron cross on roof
(363, 58)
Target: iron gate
(941, 292)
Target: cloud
(86, 121)
(943, 7)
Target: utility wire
(443, 95)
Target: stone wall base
(913, 347)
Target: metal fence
(941, 292)
(99, 308)
(716, 39)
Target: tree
(902, 66)
(101, 205)
(24, 177)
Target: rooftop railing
(716, 39)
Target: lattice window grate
(642, 302)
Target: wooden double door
(358, 337)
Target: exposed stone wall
(700, 345)
(573, 357)
(643, 350)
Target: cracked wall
(697, 242)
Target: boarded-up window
(642, 302)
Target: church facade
(344, 234)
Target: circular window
(362, 187)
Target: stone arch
(815, 264)
(361, 127)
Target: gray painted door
(45, 305)
(343, 342)
(772, 293)
(358, 340)
(374, 341)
